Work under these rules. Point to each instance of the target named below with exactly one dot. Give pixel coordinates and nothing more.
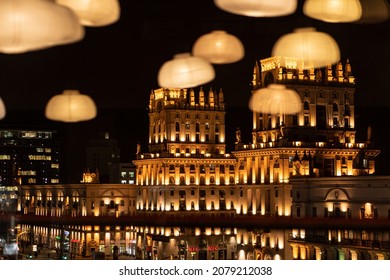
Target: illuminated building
(28, 157)
(308, 168)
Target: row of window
(197, 116)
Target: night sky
(117, 66)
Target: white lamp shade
(94, 12)
(71, 106)
(333, 10)
(374, 11)
(275, 99)
(258, 8)
(2, 109)
(185, 71)
(306, 48)
(219, 47)
(28, 25)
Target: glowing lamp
(307, 48)
(185, 71)
(28, 25)
(258, 8)
(70, 106)
(94, 13)
(219, 47)
(2, 109)
(374, 11)
(275, 99)
(332, 10)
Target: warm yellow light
(219, 47)
(94, 12)
(275, 99)
(28, 25)
(70, 106)
(374, 11)
(333, 10)
(308, 49)
(258, 8)
(185, 71)
(2, 109)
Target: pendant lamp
(374, 11)
(70, 106)
(94, 13)
(306, 48)
(258, 8)
(219, 47)
(28, 25)
(275, 99)
(185, 71)
(333, 10)
(2, 109)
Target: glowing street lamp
(71, 106)
(94, 13)
(185, 71)
(28, 25)
(219, 47)
(2, 109)
(275, 99)
(258, 8)
(333, 10)
(306, 48)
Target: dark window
(321, 116)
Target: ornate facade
(310, 165)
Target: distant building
(29, 157)
(103, 157)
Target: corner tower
(185, 122)
(320, 140)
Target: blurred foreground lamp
(94, 13)
(258, 8)
(306, 48)
(185, 71)
(275, 99)
(70, 106)
(374, 11)
(2, 109)
(333, 10)
(28, 25)
(219, 47)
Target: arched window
(197, 127)
(27, 195)
(76, 196)
(60, 195)
(49, 195)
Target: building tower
(186, 170)
(103, 158)
(319, 141)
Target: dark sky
(117, 65)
